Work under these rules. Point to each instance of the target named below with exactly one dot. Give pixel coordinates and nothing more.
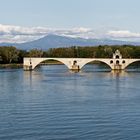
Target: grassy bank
(11, 66)
(17, 66)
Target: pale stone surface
(78, 63)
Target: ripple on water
(53, 103)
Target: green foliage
(9, 54)
(35, 53)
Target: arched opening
(111, 62)
(52, 65)
(74, 62)
(117, 57)
(96, 66)
(123, 61)
(135, 66)
(117, 62)
(30, 62)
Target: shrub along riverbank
(11, 66)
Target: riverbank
(17, 66)
(11, 66)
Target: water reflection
(119, 73)
(74, 71)
(55, 103)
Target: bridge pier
(75, 66)
(27, 64)
(117, 67)
(27, 68)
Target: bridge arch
(130, 63)
(38, 61)
(97, 60)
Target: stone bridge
(115, 63)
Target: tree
(21, 55)
(35, 53)
(9, 54)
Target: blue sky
(100, 17)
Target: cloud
(17, 30)
(18, 34)
(123, 34)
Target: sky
(26, 20)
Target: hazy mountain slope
(54, 41)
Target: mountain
(55, 41)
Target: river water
(53, 103)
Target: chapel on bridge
(117, 55)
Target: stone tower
(117, 55)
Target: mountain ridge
(55, 41)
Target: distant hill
(55, 41)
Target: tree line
(10, 54)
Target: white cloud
(18, 34)
(123, 34)
(17, 30)
(9, 33)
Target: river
(53, 103)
